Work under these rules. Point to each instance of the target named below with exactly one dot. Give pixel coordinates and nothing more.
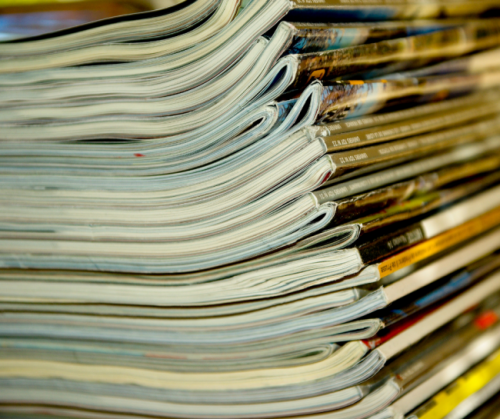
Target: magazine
(452, 369)
(335, 399)
(251, 209)
(32, 25)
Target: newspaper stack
(257, 209)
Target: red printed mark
(486, 320)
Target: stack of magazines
(248, 209)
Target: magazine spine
(390, 244)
